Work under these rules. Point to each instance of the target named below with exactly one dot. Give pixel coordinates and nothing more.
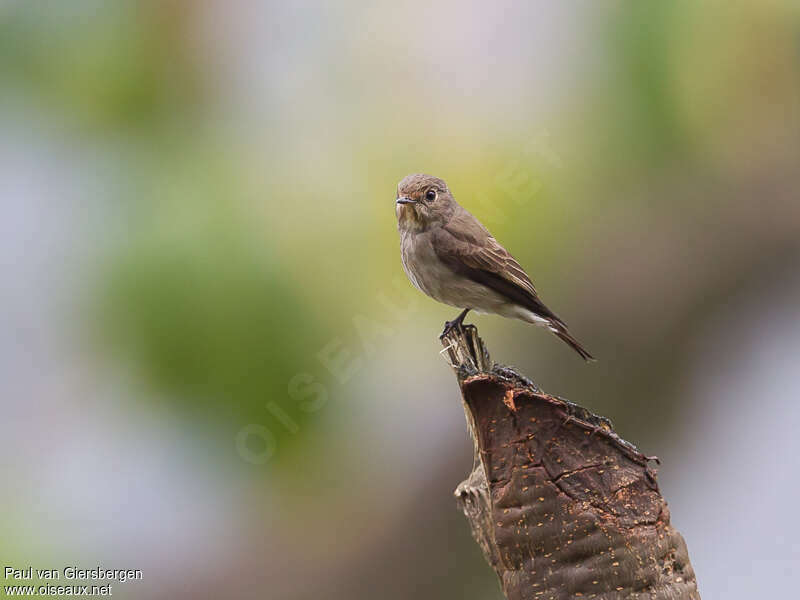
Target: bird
(450, 256)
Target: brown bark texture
(561, 506)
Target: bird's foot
(448, 327)
(456, 323)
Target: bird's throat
(407, 218)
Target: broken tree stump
(561, 506)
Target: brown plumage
(450, 256)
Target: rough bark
(561, 506)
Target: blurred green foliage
(105, 66)
(196, 299)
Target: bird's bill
(405, 200)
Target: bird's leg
(457, 322)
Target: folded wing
(470, 250)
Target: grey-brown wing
(472, 252)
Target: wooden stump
(561, 506)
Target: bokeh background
(213, 368)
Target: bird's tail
(561, 331)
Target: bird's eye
(430, 195)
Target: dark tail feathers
(561, 331)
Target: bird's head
(423, 201)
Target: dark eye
(430, 195)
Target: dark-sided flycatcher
(454, 259)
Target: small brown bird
(449, 255)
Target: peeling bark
(561, 506)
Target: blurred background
(213, 367)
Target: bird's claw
(456, 323)
(449, 326)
